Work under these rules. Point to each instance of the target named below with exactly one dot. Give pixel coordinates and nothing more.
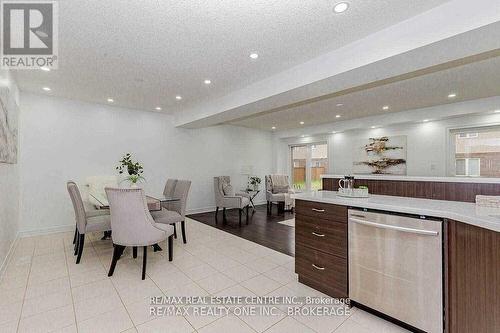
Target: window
(309, 163)
(467, 135)
(476, 152)
(468, 167)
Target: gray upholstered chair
(133, 225)
(226, 197)
(87, 220)
(175, 212)
(279, 192)
(169, 189)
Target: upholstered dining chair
(87, 220)
(226, 197)
(175, 212)
(133, 225)
(279, 191)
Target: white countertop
(484, 217)
(423, 179)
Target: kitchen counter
(476, 180)
(469, 213)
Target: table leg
(157, 248)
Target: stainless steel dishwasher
(395, 267)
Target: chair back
(219, 182)
(131, 222)
(170, 187)
(78, 206)
(181, 191)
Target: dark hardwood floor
(262, 228)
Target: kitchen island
(470, 251)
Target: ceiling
(471, 81)
(144, 53)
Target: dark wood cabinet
(471, 264)
(321, 247)
(465, 192)
(472, 283)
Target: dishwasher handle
(397, 228)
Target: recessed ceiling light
(46, 88)
(385, 107)
(452, 95)
(340, 7)
(158, 108)
(254, 55)
(303, 135)
(207, 81)
(178, 97)
(340, 104)
(302, 123)
(374, 126)
(333, 132)
(497, 111)
(425, 120)
(45, 69)
(110, 100)
(338, 116)
(273, 128)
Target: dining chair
(175, 212)
(133, 225)
(87, 220)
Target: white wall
(427, 143)
(64, 139)
(9, 198)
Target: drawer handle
(318, 267)
(319, 235)
(318, 210)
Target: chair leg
(247, 213)
(170, 248)
(224, 218)
(144, 259)
(117, 252)
(134, 252)
(216, 213)
(76, 234)
(183, 230)
(75, 252)
(81, 243)
(239, 212)
(175, 230)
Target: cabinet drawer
(321, 210)
(323, 235)
(321, 271)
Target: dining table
(100, 201)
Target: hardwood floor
(262, 228)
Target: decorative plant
(254, 181)
(134, 169)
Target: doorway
(308, 163)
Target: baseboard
(46, 231)
(8, 257)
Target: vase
(134, 185)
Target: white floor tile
(229, 323)
(168, 324)
(216, 282)
(289, 325)
(261, 285)
(113, 321)
(48, 321)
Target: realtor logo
(29, 34)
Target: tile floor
(43, 290)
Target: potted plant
(254, 183)
(134, 170)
